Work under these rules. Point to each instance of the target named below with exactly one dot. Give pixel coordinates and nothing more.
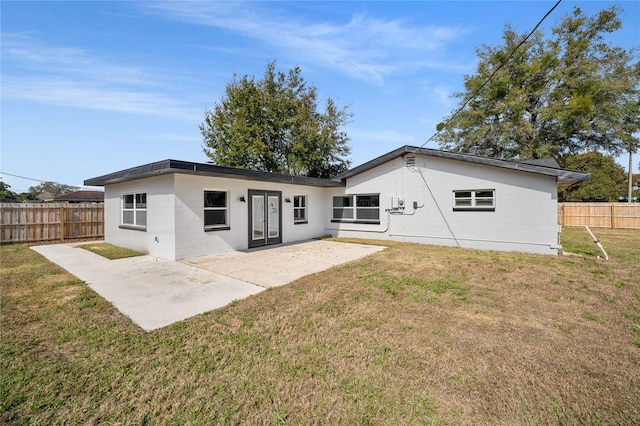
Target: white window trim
(304, 208)
(226, 225)
(135, 209)
(354, 208)
(474, 200)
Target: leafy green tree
(6, 193)
(607, 182)
(49, 189)
(570, 93)
(275, 125)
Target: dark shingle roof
(81, 196)
(547, 162)
(203, 169)
(545, 167)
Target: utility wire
(37, 180)
(474, 94)
(27, 178)
(435, 201)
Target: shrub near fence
(600, 215)
(24, 223)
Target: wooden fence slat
(600, 215)
(21, 222)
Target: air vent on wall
(410, 160)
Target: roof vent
(410, 160)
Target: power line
(27, 178)
(474, 94)
(38, 180)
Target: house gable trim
(203, 169)
(563, 177)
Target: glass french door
(265, 218)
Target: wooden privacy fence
(600, 215)
(23, 223)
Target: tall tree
(635, 187)
(49, 189)
(569, 93)
(607, 181)
(275, 125)
(6, 193)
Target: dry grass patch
(110, 251)
(414, 334)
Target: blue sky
(89, 88)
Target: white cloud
(440, 92)
(178, 138)
(92, 95)
(444, 94)
(365, 47)
(391, 137)
(72, 77)
(24, 51)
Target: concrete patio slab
(153, 293)
(278, 265)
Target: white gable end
(523, 217)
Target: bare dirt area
(278, 265)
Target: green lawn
(414, 334)
(110, 251)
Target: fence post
(613, 226)
(62, 222)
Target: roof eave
(572, 178)
(374, 163)
(202, 169)
(564, 177)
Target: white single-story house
(178, 209)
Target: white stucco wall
(191, 238)
(524, 218)
(175, 215)
(158, 239)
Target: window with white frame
(216, 215)
(476, 199)
(134, 210)
(358, 208)
(299, 209)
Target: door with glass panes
(265, 217)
